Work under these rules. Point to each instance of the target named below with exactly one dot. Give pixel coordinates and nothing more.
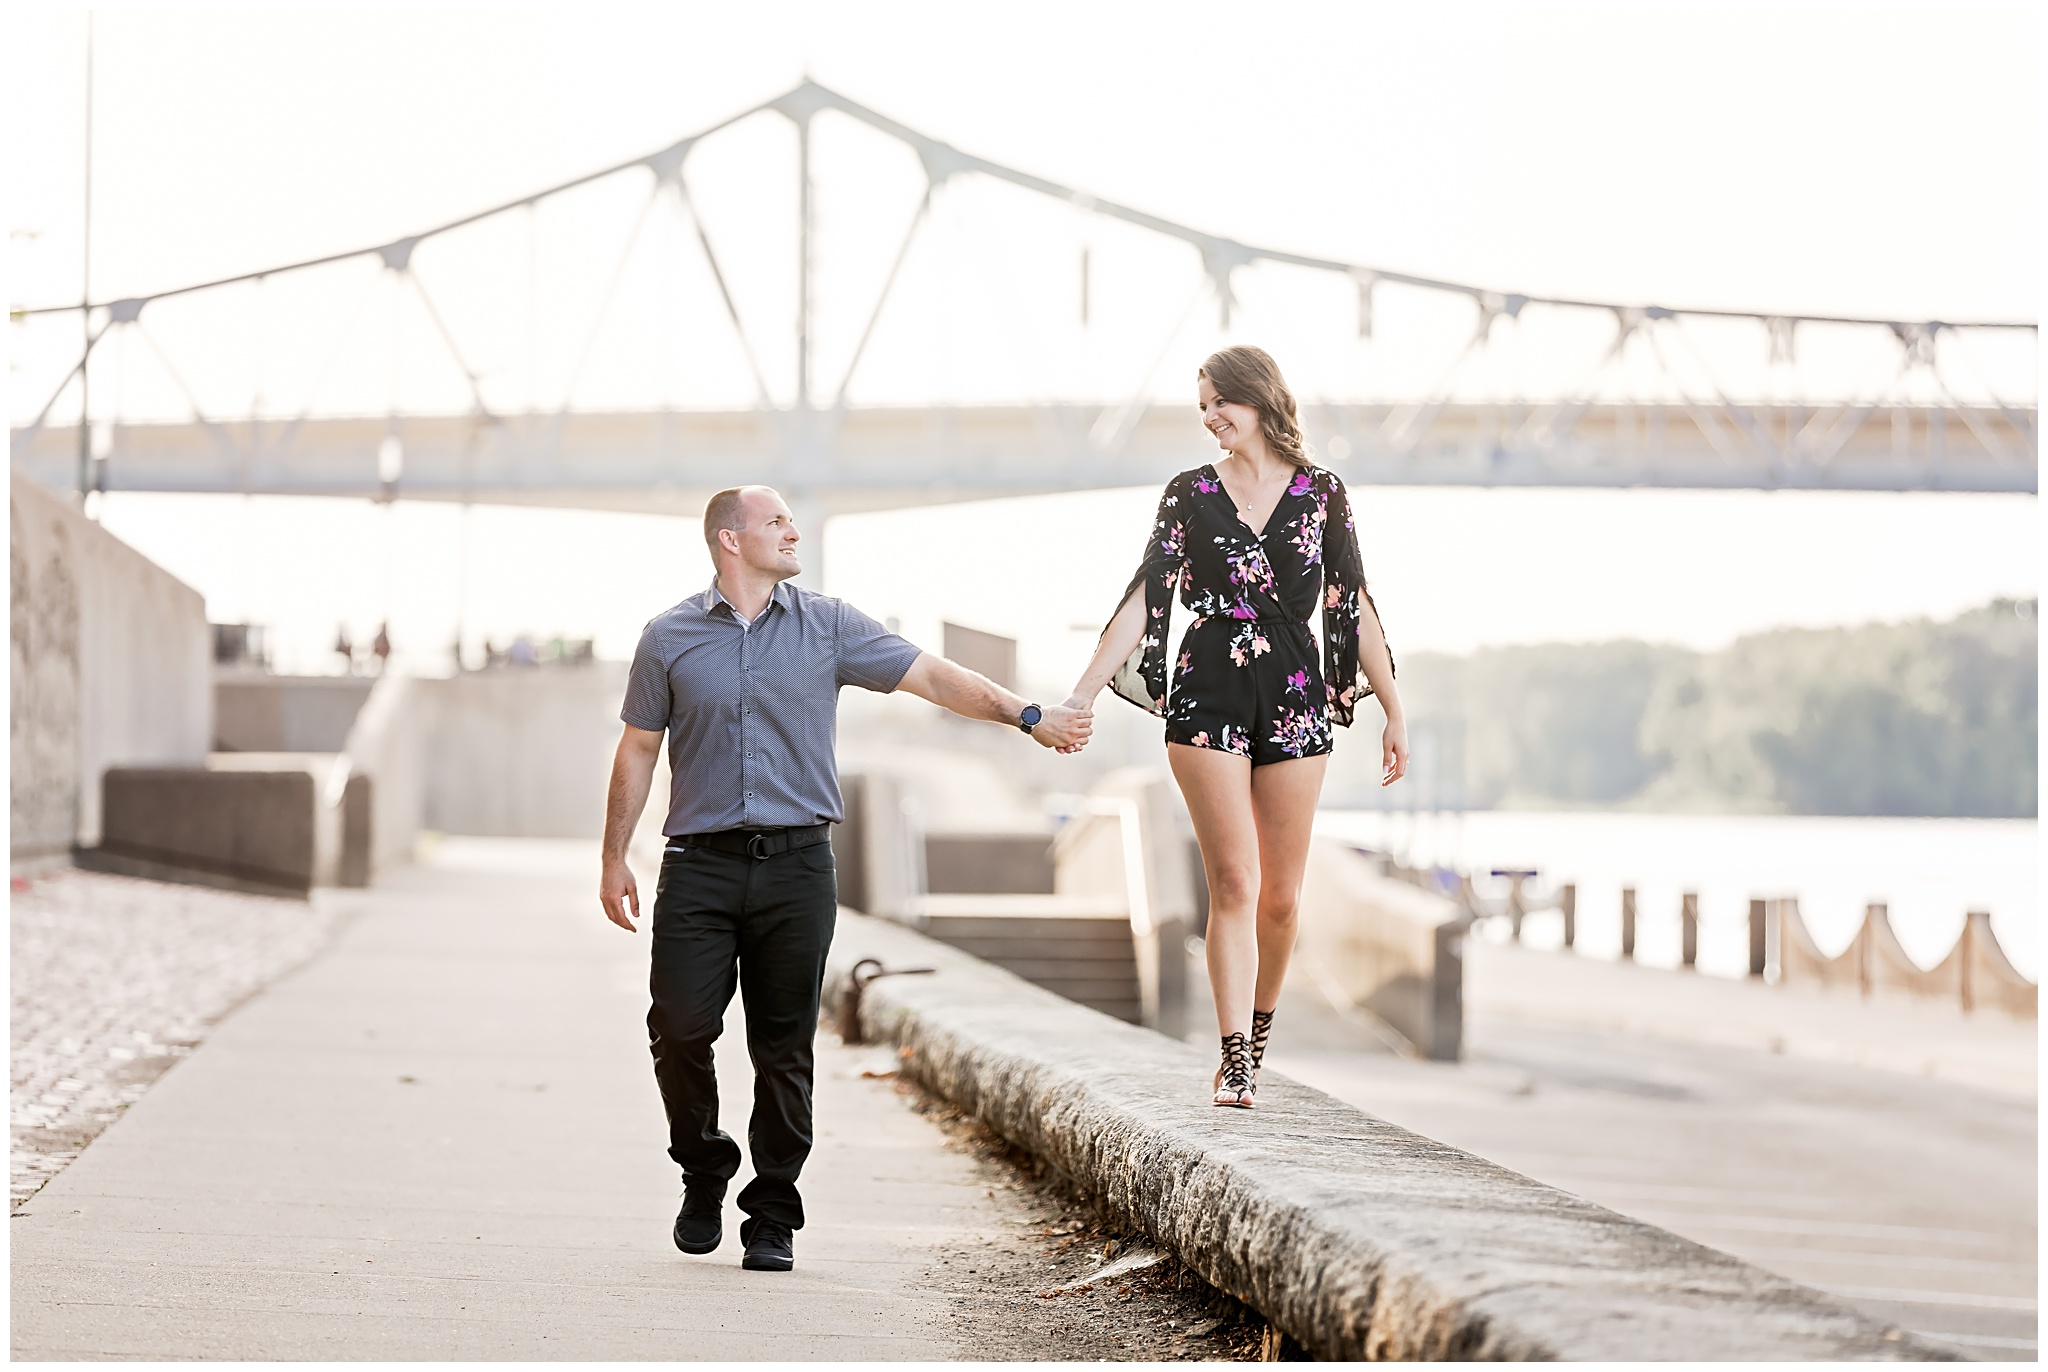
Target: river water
(1929, 871)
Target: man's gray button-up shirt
(752, 711)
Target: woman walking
(1253, 543)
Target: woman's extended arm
(1115, 646)
(1131, 654)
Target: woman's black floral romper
(1246, 680)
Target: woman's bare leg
(1283, 808)
(1218, 790)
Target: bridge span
(850, 460)
(1629, 394)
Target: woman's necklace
(1244, 510)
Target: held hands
(1065, 727)
(1394, 751)
(619, 894)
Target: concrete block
(988, 864)
(1131, 841)
(357, 865)
(1359, 1239)
(993, 655)
(881, 844)
(243, 829)
(1386, 946)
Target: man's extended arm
(632, 776)
(949, 685)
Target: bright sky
(1829, 159)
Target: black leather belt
(757, 843)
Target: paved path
(441, 1140)
(1909, 1195)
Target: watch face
(1032, 714)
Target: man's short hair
(723, 513)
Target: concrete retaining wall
(1384, 946)
(111, 665)
(386, 750)
(522, 752)
(1359, 1239)
(260, 713)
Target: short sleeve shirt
(752, 710)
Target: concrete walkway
(441, 1140)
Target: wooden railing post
(1568, 905)
(1758, 951)
(1689, 929)
(1628, 923)
(1966, 989)
(1864, 953)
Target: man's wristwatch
(1029, 719)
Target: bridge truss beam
(859, 459)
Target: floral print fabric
(1246, 679)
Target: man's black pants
(762, 924)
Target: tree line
(1920, 718)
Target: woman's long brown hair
(1244, 375)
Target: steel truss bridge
(1907, 431)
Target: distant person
(523, 653)
(1254, 544)
(381, 646)
(346, 649)
(744, 678)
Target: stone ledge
(1358, 1238)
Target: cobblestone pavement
(113, 981)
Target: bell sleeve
(1343, 590)
(1142, 677)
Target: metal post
(803, 264)
(1568, 904)
(85, 292)
(1757, 946)
(1628, 924)
(1689, 929)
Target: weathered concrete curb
(1360, 1239)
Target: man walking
(744, 679)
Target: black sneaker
(770, 1246)
(700, 1227)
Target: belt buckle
(757, 846)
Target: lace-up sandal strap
(1235, 1087)
(1262, 1029)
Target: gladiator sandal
(1234, 1077)
(1262, 1029)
